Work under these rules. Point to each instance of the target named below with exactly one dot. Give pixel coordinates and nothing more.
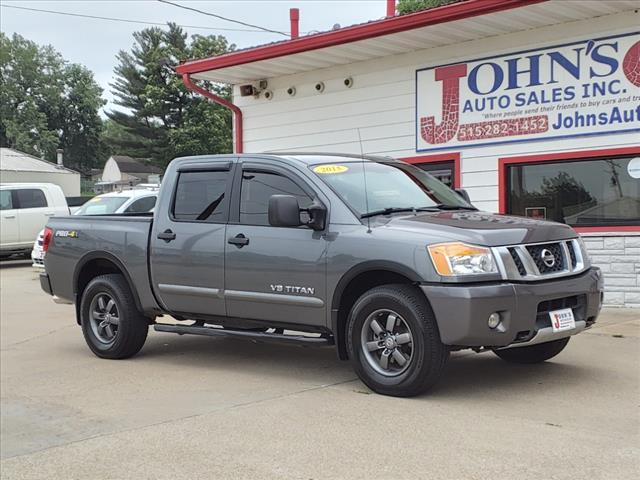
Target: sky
(95, 43)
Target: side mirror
(284, 211)
(317, 216)
(463, 193)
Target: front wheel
(394, 342)
(112, 325)
(533, 354)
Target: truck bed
(78, 239)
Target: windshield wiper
(387, 211)
(444, 206)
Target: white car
(25, 209)
(127, 201)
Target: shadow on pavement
(466, 373)
(15, 262)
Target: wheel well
(354, 289)
(92, 269)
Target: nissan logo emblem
(547, 258)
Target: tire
(425, 355)
(113, 340)
(533, 354)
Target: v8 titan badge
(562, 320)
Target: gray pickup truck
(368, 254)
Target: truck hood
(481, 228)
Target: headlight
(451, 259)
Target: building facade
(533, 107)
(20, 167)
(122, 172)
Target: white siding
(68, 182)
(111, 171)
(377, 115)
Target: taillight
(46, 239)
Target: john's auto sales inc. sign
(584, 88)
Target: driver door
(274, 274)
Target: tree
(161, 119)
(410, 6)
(47, 103)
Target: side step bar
(303, 340)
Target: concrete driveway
(192, 407)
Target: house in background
(122, 172)
(20, 167)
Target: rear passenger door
(188, 239)
(33, 212)
(278, 274)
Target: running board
(303, 340)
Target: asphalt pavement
(199, 407)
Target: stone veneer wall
(618, 255)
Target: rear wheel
(534, 353)
(112, 325)
(393, 341)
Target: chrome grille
(540, 261)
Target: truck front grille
(517, 261)
(572, 254)
(547, 257)
(540, 261)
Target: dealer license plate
(562, 320)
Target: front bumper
(462, 310)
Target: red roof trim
(447, 13)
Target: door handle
(167, 235)
(9, 216)
(239, 240)
(48, 214)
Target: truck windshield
(384, 188)
(102, 205)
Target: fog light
(494, 320)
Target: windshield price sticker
(329, 169)
(562, 320)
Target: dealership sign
(584, 88)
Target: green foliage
(47, 103)
(409, 6)
(161, 119)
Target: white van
(25, 209)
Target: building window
(580, 192)
(445, 167)
(443, 171)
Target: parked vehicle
(76, 202)
(128, 201)
(25, 209)
(371, 255)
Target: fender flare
(102, 255)
(352, 273)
